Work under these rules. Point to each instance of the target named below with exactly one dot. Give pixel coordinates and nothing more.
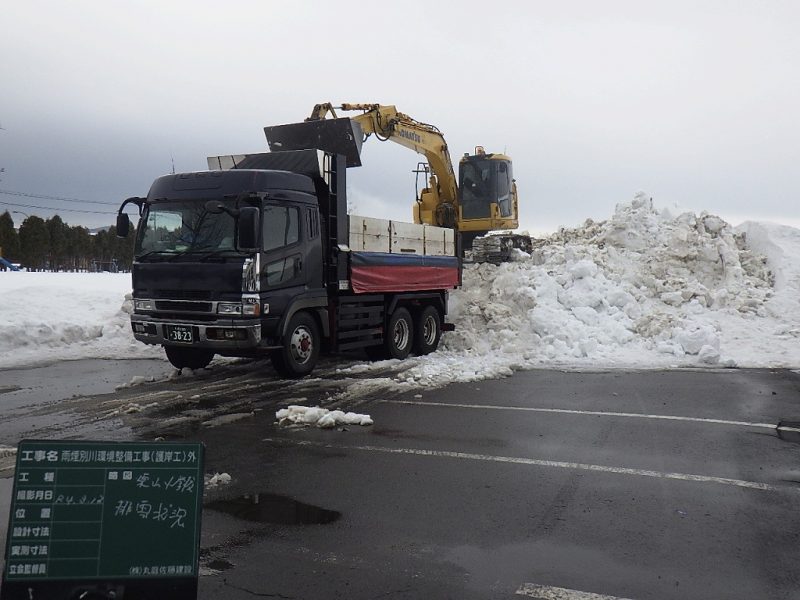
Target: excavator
(482, 199)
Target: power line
(56, 210)
(60, 198)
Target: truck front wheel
(399, 334)
(193, 358)
(300, 350)
(428, 331)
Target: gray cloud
(693, 102)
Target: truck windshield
(180, 227)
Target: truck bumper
(220, 334)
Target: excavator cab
(487, 194)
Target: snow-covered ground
(644, 289)
(46, 317)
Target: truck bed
(393, 256)
(395, 237)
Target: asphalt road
(552, 485)
(460, 494)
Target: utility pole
(2, 169)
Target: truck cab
(254, 257)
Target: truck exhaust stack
(339, 136)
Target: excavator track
(498, 248)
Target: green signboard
(104, 511)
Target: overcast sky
(695, 102)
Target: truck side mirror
(247, 227)
(123, 225)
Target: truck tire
(399, 334)
(193, 358)
(427, 331)
(300, 351)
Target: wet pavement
(35, 400)
(650, 485)
(661, 485)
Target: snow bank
(57, 316)
(319, 417)
(646, 288)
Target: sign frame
(107, 519)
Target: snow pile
(319, 417)
(646, 288)
(55, 316)
(217, 479)
(129, 408)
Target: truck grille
(182, 306)
(183, 294)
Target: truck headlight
(143, 305)
(252, 309)
(229, 308)
(251, 305)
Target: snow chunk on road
(218, 479)
(320, 417)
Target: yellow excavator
(483, 198)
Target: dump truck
(257, 256)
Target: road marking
(538, 463)
(546, 592)
(566, 411)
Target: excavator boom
(483, 198)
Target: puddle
(220, 565)
(271, 508)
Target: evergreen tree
(83, 247)
(34, 241)
(123, 248)
(9, 240)
(58, 231)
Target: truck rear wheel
(193, 358)
(300, 351)
(399, 334)
(427, 331)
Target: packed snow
(216, 480)
(314, 416)
(46, 317)
(646, 288)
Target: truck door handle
(298, 265)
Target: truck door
(283, 266)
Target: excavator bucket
(341, 136)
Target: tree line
(52, 245)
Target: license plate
(180, 333)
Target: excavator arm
(438, 203)
(483, 200)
